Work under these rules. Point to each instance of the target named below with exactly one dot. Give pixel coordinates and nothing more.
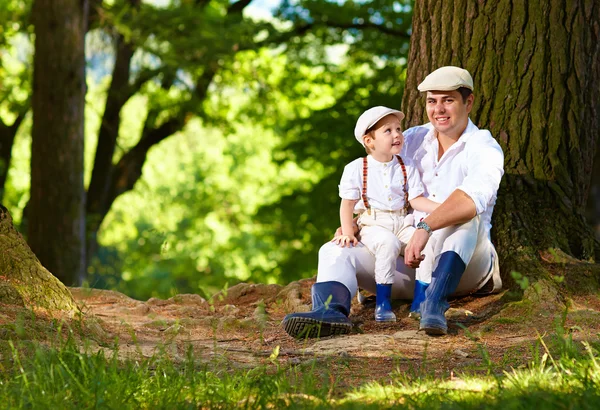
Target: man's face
(447, 112)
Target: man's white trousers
(355, 267)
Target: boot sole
(301, 327)
(434, 331)
(385, 320)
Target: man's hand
(412, 253)
(343, 240)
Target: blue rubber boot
(383, 305)
(444, 281)
(329, 314)
(418, 297)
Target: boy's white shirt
(385, 183)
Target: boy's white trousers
(385, 234)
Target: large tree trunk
(56, 226)
(7, 138)
(536, 70)
(23, 280)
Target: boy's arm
(338, 231)
(347, 215)
(423, 204)
(346, 218)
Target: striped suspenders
(364, 187)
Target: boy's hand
(338, 231)
(343, 240)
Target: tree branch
(129, 168)
(366, 26)
(118, 94)
(238, 7)
(301, 30)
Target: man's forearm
(457, 209)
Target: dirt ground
(241, 328)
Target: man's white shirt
(474, 164)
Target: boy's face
(388, 138)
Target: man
(461, 167)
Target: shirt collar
(464, 137)
(374, 162)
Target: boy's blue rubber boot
(418, 297)
(383, 305)
(444, 281)
(329, 314)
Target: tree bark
(536, 70)
(56, 223)
(7, 138)
(23, 279)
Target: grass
(562, 374)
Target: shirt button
(436, 174)
(389, 198)
(386, 186)
(433, 195)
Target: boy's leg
(386, 247)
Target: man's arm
(457, 209)
(485, 170)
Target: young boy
(379, 188)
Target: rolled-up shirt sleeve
(484, 170)
(349, 187)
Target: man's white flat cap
(447, 79)
(370, 118)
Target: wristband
(423, 225)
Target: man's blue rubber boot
(329, 314)
(383, 305)
(418, 297)
(444, 281)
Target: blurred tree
(13, 15)
(178, 55)
(23, 280)
(57, 205)
(538, 95)
(185, 50)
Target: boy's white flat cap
(447, 79)
(370, 118)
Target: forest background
(229, 124)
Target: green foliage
(248, 189)
(188, 225)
